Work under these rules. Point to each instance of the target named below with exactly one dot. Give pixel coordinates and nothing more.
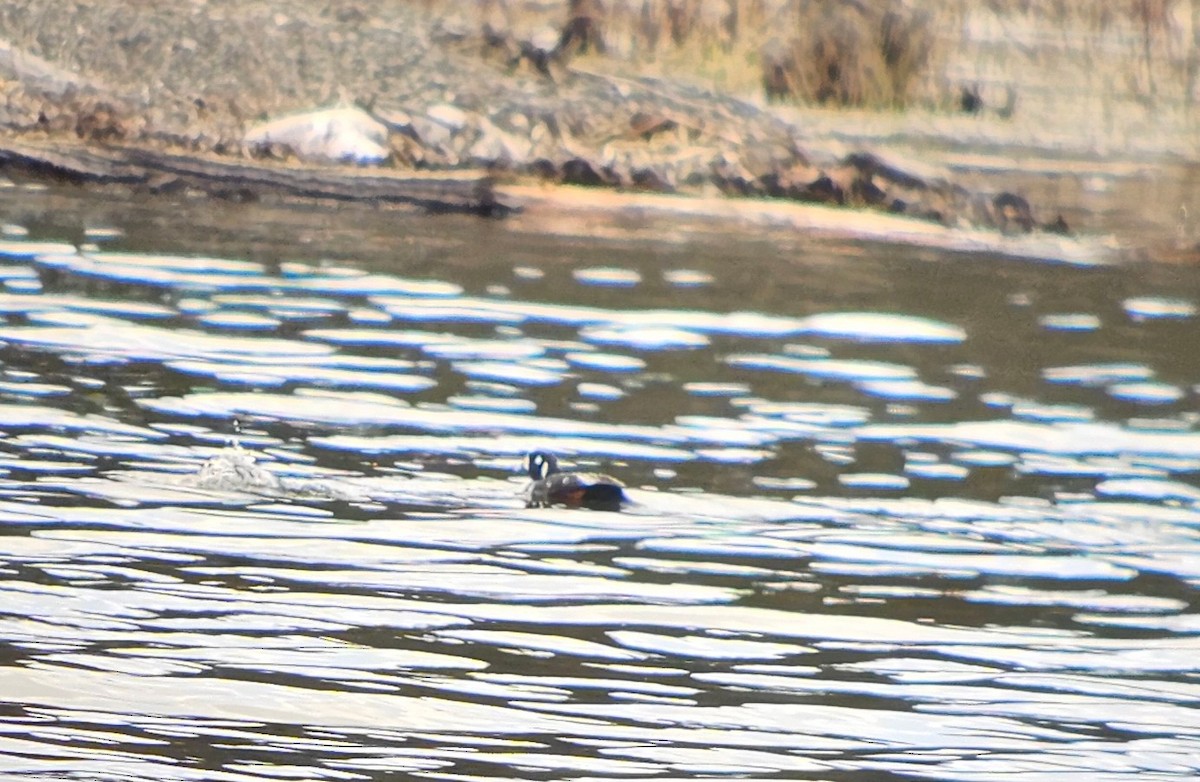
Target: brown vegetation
(850, 54)
(872, 53)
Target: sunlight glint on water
(896, 516)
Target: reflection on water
(895, 513)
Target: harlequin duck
(552, 486)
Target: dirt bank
(454, 90)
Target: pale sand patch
(592, 213)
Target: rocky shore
(449, 94)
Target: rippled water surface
(895, 513)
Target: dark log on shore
(440, 191)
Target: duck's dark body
(552, 486)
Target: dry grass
(863, 52)
(850, 54)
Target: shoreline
(456, 129)
(526, 204)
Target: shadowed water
(894, 513)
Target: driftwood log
(435, 191)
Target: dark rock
(541, 53)
(544, 168)
(969, 99)
(578, 171)
(649, 179)
(790, 181)
(864, 191)
(871, 165)
(1057, 226)
(100, 121)
(822, 190)
(1012, 213)
(646, 125)
(731, 176)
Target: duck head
(540, 465)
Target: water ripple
(267, 519)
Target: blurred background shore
(1006, 94)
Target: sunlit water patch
(602, 275)
(874, 326)
(1146, 393)
(1070, 322)
(1155, 307)
(687, 277)
(642, 338)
